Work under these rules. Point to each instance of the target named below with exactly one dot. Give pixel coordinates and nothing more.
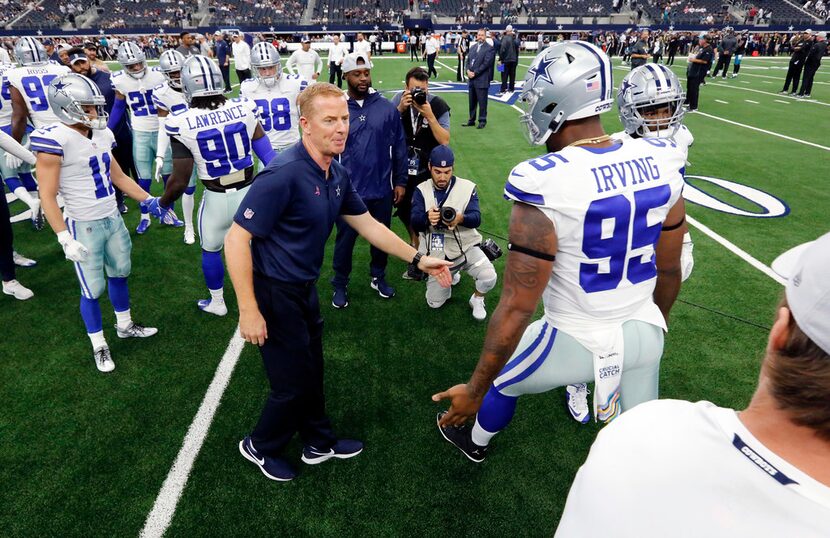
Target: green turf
(85, 454)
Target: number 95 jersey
(608, 206)
(220, 140)
(33, 83)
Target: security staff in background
(446, 213)
(726, 48)
(337, 52)
(800, 46)
(639, 50)
(188, 46)
(274, 253)
(480, 60)
(696, 71)
(425, 118)
(375, 158)
(222, 54)
(812, 63)
(509, 58)
(461, 49)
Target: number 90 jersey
(85, 169)
(219, 140)
(277, 107)
(608, 206)
(33, 82)
(139, 96)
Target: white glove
(159, 167)
(12, 161)
(687, 261)
(73, 249)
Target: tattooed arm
(525, 278)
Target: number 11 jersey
(608, 206)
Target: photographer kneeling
(448, 229)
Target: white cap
(509, 28)
(217, 32)
(821, 34)
(808, 292)
(350, 62)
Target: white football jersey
(85, 169)
(690, 470)
(5, 97)
(220, 140)
(33, 82)
(608, 206)
(167, 99)
(277, 106)
(139, 96)
(683, 138)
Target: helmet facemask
(174, 82)
(76, 111)
(269, 80)
(136, 74)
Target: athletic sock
(495, 414)
(481, 437)
(120, 298)
(217, 296)
(97, 339)
(91, 314)
(188, 203)
(145, 184)
(213, 270)
(123, 319)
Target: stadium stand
(142, 13)
(357, 12)
(11, 9)
(232, 12)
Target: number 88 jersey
(32, 82)
(277, 106)
(608, 206)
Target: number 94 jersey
(139, 96)
(220, 140)
(33, 83)
(608, 206)
(277, 107)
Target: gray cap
(808, 292)
(821, 34)
(350, 62)
(509, 28)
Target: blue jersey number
(221, 150)
(141, 103)
(275, 114)
(5, 93)
(614, 246)
(34, 88)
(103, 183)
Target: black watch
(416, 259)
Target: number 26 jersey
(608, 206)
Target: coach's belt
(230, 182)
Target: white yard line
(780, 101)
(171, 491)
(722, 102)
(751, 101)
(772, 133)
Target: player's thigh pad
(144, 152)
(167, 169)
(436, 295)
(194, 177)
(93, 235)
(481, 269)
(216, 216)
(117, 261)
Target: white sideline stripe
(768, 93)
(779, 135)
(722, 102)
(766, 82)
(731, 247)
(775, 78)
(751, 101)
(780, 101)
(159, 518)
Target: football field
(152, 447)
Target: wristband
(416, 260)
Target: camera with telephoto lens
(491, 249)
(448, 215)
(419, 96)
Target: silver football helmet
(129, 54)
(170, 62)
(67, 96)
(650, 101)
(264, 55)
(30, 51)
(201, 77)
(566, 81)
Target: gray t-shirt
(640, 47)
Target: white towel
(608, 367)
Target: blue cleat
(342, 449)
(142, 227)
(384, 290)
(274, 468)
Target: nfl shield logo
(248, 214)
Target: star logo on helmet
(625, 86)
(541, 71)
(59, 88)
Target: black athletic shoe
(461, 437)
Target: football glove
(687, 261)
(154, 207)
(13, 161)
(73, 249)
(159, 168)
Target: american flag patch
(248, 214)
(592, 85)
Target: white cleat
(477, 304)
(103, 359)
(22, 261)
(17, 290)
(217, 308)
(189, 235)
(577, 396)
(135, 331)
(456, 278)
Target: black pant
(807, 83)
(670, 59)
(655, 58)
(508, 77)
(226, 76)
(459, 74)
(335, 70)
(293, 360)
(6, 240)
(693, 91)
(431, 64)
(123, 153)
(381, 210)
(413, 52)
(723, 62)
(793, 75)
(243, 75)
(477, 97)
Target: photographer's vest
(451, 244)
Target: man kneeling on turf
(448, 230)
